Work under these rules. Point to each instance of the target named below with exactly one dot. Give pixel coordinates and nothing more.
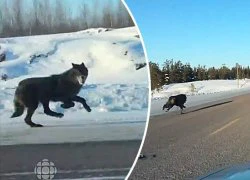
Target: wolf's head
(170, 103)
(83, 72)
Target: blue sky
(206, 32)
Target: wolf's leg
(82, 101)
(48, 111)
(182, 108)
(27, 119)
(169, 108)
(67, 104)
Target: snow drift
(201, 87)
(116, 90)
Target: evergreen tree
(156, 75)
(212, 74)
(188, 74)
(176, 72)
(224, 72)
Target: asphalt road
(204, 139)
(105, 160)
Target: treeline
(34, 17)
(177, 72)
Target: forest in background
(17, 18)
(176, 72)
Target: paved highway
(204, 139)
(99, 160)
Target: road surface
(105, 160)
(206, 138)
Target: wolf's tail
(18, 105)
(19, 108)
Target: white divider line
(98, 178)
(224, 127)
(68, 171)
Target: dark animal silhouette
(140, 65)
(62, 87)
(2, 57)
(177, 100)
(4, 77)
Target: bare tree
(60, 16)
(107, 15)
(17, 16)
(7, 21)
(48, 15)
(55, 16)
(83, 17)
(95, 19)
(1, 20)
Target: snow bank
(201, 87)
(104, 53)
(100, 97)
(115, 90)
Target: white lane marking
(98, 178)
(69, 171)
(225, 126)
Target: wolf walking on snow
(61, 87)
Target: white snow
(114, 89)
(199, 92)
(106, 61)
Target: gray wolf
(61, 87)
(177, 100)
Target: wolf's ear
(73, 65)
(83, 64)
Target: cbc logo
(45, 170)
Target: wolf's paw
(67, 105)
(88, 109)
(36, 125)
(59, 115)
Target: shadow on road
(217, 104)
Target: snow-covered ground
(115, 90)
(199, 92)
